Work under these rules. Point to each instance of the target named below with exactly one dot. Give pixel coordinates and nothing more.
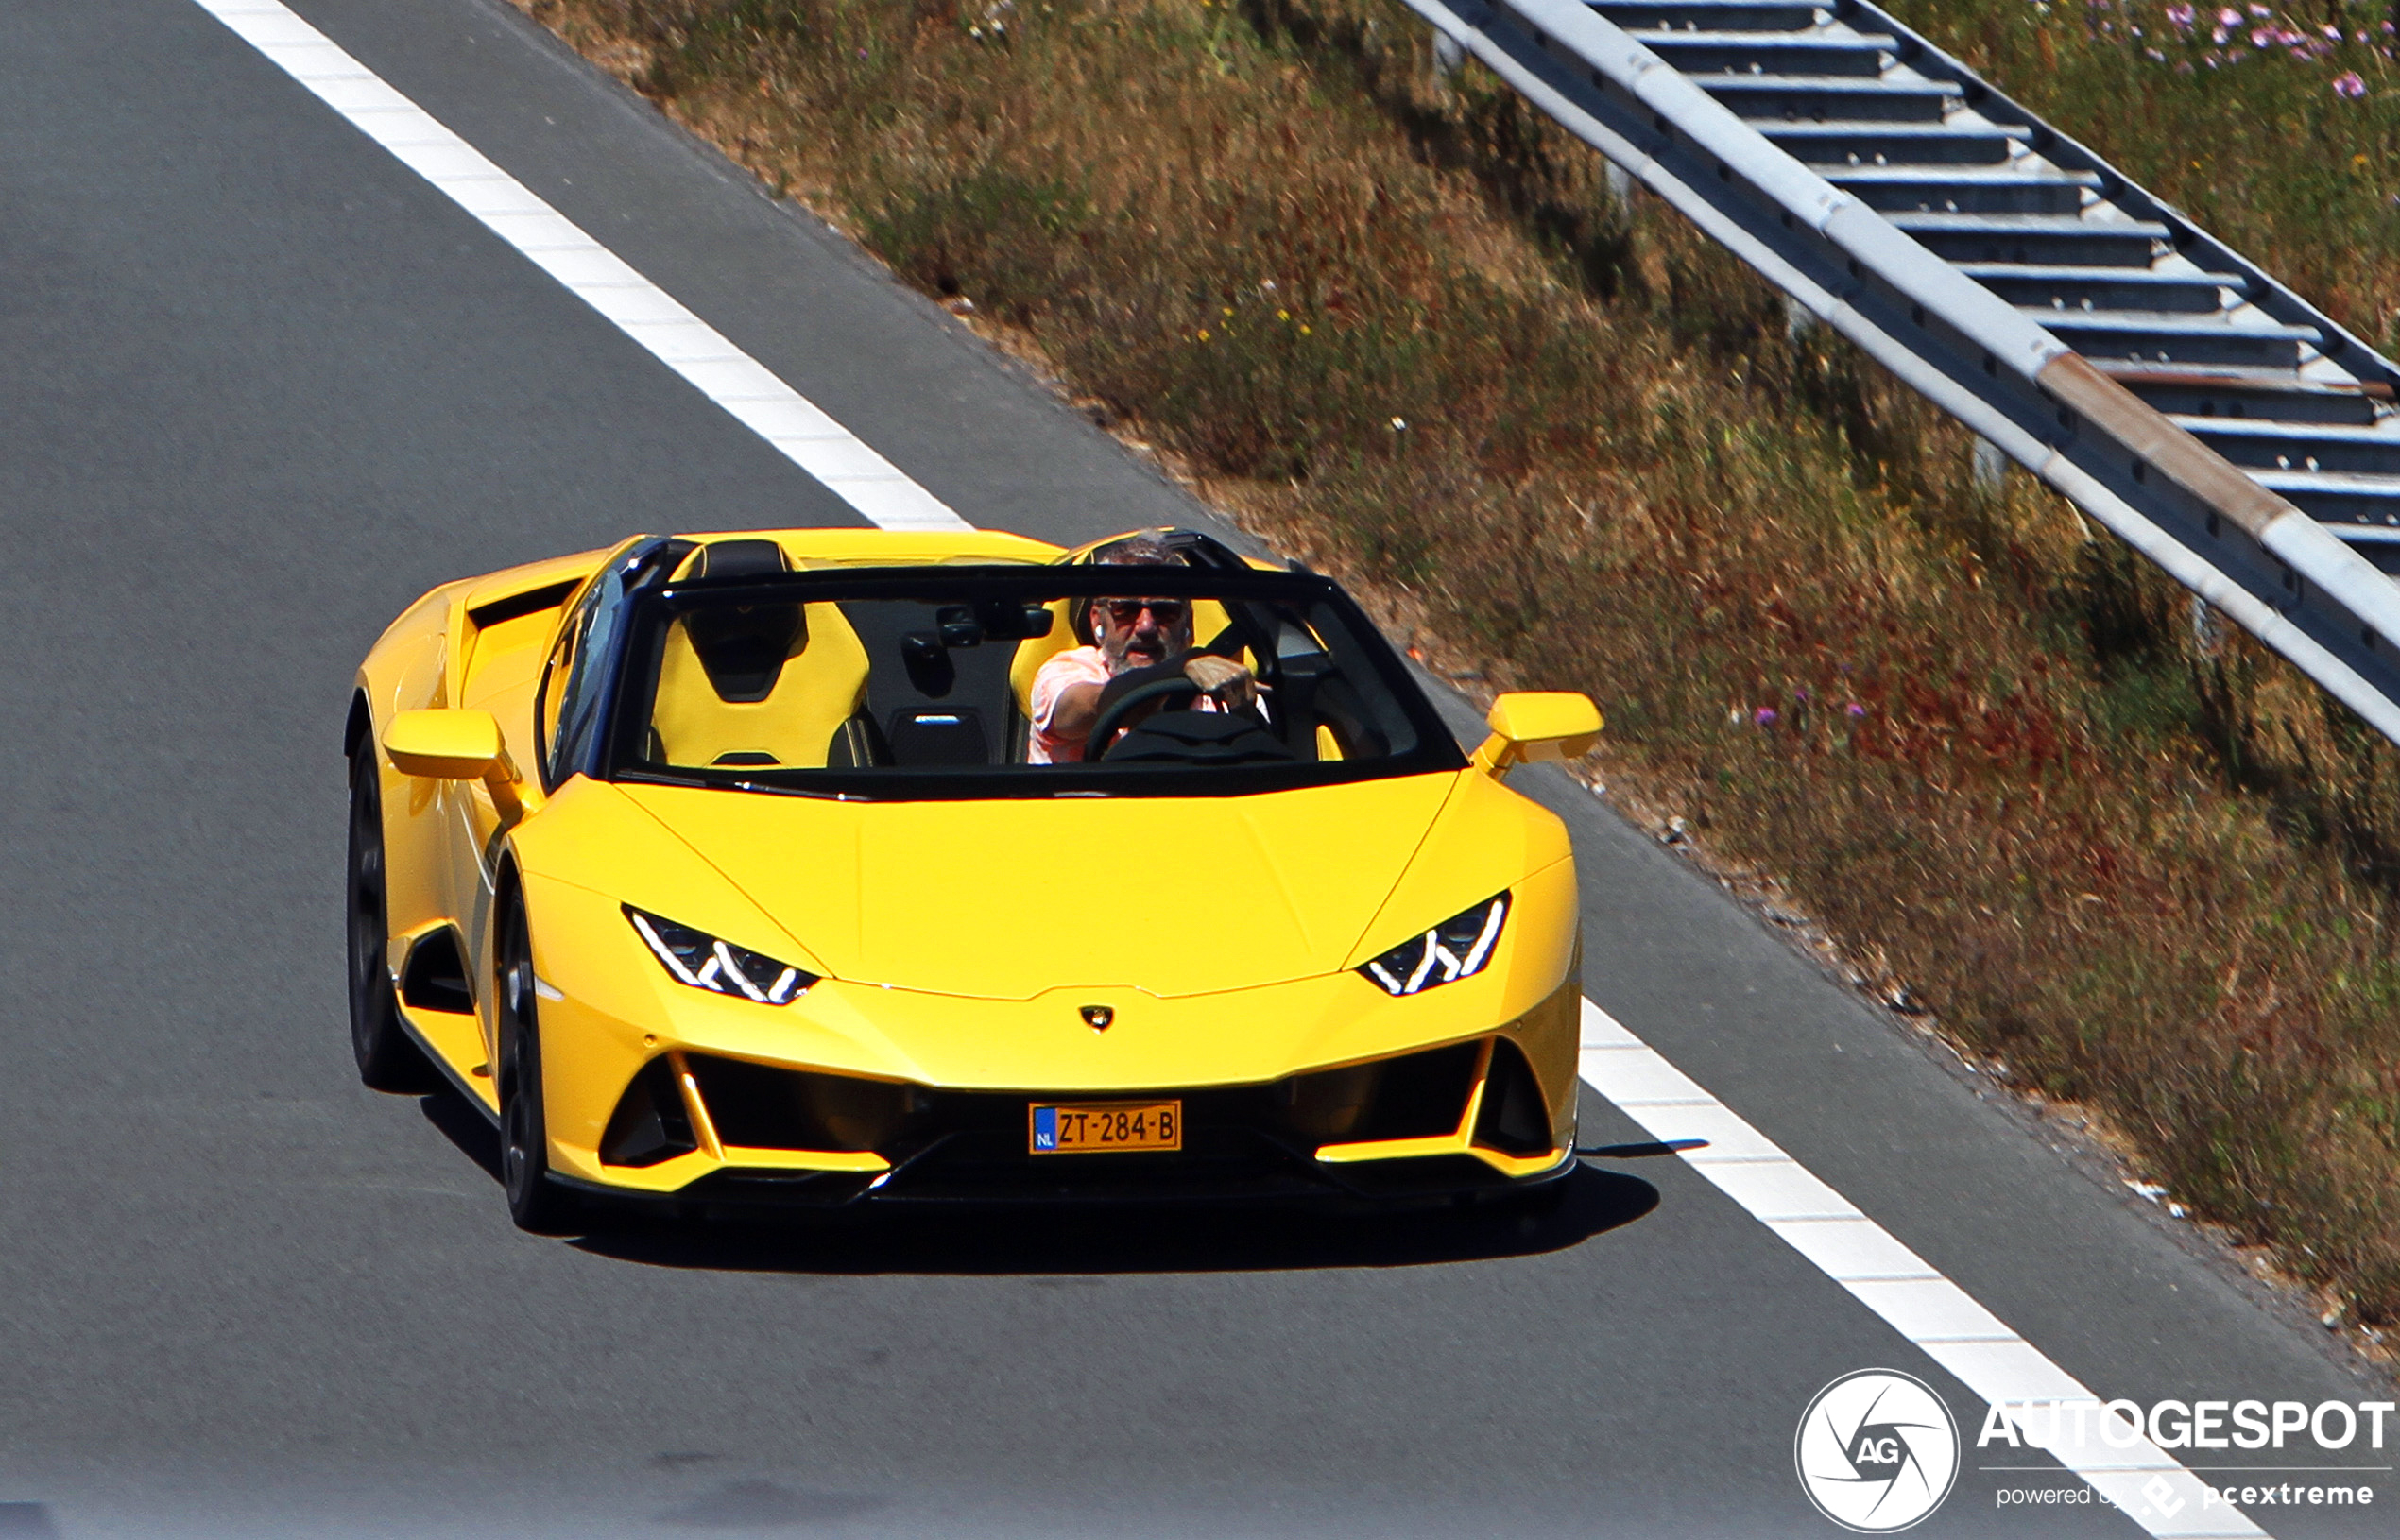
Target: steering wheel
(1104, 729)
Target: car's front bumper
(1291, 1090)
(1254, 1144)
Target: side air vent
(759, 1107)
(1513, 1120)
(518, 606)
(435, 977)
(1420, 1096)
(650, 1125)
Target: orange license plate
(1098, 1127)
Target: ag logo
(1877, 1451)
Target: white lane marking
(1938, 1316)
(793, 424)
(1887, 1277)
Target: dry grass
(1400, 324)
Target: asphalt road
(259, 388)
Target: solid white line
(1929, 1310)
(1915, 1300)
(639, 308)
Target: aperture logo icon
(1877, 1451)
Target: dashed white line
(811, 439)
(1913, 1298)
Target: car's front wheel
(387, 1059)
(535, 1201)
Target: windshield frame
(1436, 750)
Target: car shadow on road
(1130, 1239)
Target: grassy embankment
(2267, 129)
(1397, 325)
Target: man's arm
(1074, 712)
(1066, 700)
(1077, 706)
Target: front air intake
(1417, 1096)
(759, 1107)
(650, 1125)
(1513, 1120)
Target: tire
(535, 1201)
(388, 1059)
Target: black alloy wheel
(388, 1060)
(535, 1201)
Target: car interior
(909, 683)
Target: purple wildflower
(1854, 710)
(1764, 716)
(2228, 17)
(2262, 10)
(2349, 86)
(2181, 16)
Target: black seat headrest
(740, 558)
(741, 647)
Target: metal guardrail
(2180, 396)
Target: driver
(1127, 633)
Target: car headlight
(702, 961)
(1456, 949)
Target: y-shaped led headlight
(721, 967)
(1457, 947)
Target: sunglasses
(1128, 611)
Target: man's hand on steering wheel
(1228, 682)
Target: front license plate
(1094, 1127)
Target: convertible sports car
(726, 868)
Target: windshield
(1014, 681)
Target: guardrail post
(1448, 55)
(1991, 466)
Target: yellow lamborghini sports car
(737, 869)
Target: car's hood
(1005, 900)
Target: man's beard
(1125, 659)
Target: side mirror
(456, 745)
(1532, 725)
